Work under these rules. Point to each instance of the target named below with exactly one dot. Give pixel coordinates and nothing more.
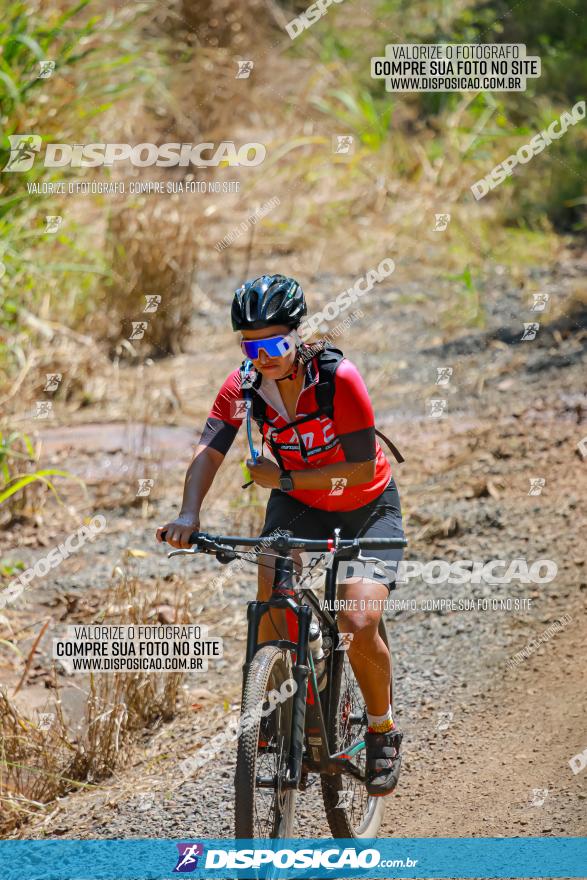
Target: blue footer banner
(291, 858)
(509, 857)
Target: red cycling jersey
(348, 436)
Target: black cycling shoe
(383, 761)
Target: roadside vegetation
(144, 73)
(44, 757)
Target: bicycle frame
(308, 714)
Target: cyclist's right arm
(217, 437)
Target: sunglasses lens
(274, 346)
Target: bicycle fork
(298, 620)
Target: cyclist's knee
(362, 623)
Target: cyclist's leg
(286, 514)
(365, 585)
(367, 588)
(367, 652)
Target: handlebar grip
(192, 539)
(382, 543)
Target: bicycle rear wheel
(264, 808)
(350, 811)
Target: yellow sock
(380, 723)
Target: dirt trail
(502, 766)
(465, 491)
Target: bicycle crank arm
(351, 751)
(345, 765)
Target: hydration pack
(329, 359)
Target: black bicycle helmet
(270, 299)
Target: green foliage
(552, 189)
(9, 568)
(359, 112)
(466, 309)
(58, 270)
(16, 450)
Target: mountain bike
(294, 726)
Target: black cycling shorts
(381, 518)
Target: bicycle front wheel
(264, 807)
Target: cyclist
(330, 472)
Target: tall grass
(48, 274)
(412, 155)
(38, 765)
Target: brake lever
(184, 551)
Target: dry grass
(154, 251)
(33, 764)
(37, 766)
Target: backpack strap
(396, 453)
(328, 360)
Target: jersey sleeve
(353, 414)
(225, 417)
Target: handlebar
(285, 542)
